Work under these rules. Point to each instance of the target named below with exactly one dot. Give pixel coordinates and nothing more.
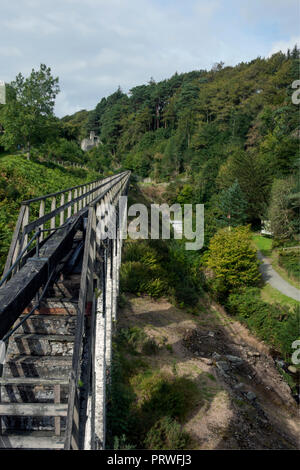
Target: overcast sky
(96, 45)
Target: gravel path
(275, 280)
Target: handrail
(36, 235)
(76, 202)
(46, 196)
(87, 294)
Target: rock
(211, 334)
(223, 366)
(292, 369)
(251, 396)
(239, 386)
(234, 359)
(253, 354)
(216, 356)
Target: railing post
(80, 202)
(24, 223)
(53, 207)
(83, 199)
(76, 203)
(41, 214)
(62, 214)
(70, 207)
(15, 243)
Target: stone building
(90, 142)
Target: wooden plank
(33, 409)
(41, 214)
(32, 381)
(25, 222)
(70, 207)
(57, 401)
(14, 248)
(62, 213)
(53, 207)
(30, 441)
(75, 203)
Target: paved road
(272, 277)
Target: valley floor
(243, 401)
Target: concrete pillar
(99, 377)
(109, 305)
(115, 278)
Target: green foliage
(213, 126)
(166, 434)
(166, 396)
(120, 443)
(62, 150)
(273, 323)
(264, 244)
(158, 268)
(145, 406)
(284, 208)
(20, 180)
(232, 205)
(28, 116)
(233, 260)
(289, 260)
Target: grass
(147, 407)
(272, 296)
(283, 273)
(20, 180)
(263, 244)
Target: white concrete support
(108, 309)
(115, 251)
(99, 379)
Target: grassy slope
(21, 179)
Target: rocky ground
(243, 401)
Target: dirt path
(243, 401)
(272, 277)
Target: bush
(275, 324)
(158, 269)
(166, 434)
(165, 395)
(289, 260)
(233, 261)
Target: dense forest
(231, 131)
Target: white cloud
(96, 45)
(284, 45)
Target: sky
(94, 46)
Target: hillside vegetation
(20, 180)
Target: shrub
(158, 269)
(166, 434)
(289, 260)
(233, 261)
(165, 395)
(275, 324)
